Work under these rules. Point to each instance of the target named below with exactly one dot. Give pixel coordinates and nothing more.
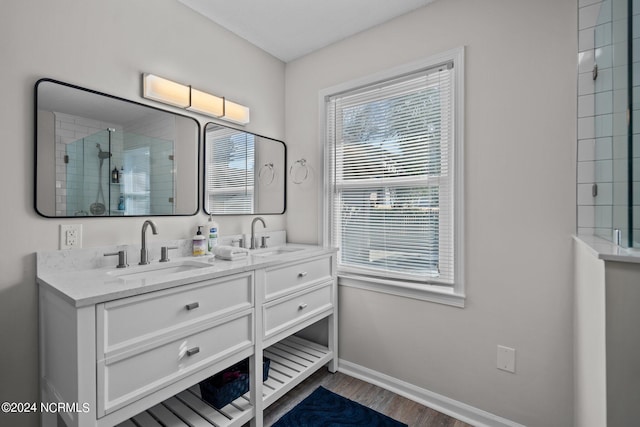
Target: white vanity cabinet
(148, 341)
(293, 296)
(137, 359)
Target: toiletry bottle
(214, 230)
(121, 174)
(121, 203)
(199, 243)
(114, 175)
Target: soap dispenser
(214, 232)
(199, 243)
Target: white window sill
(424, 292)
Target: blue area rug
(323, 408)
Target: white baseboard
(453, 408)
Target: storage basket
(226, 386)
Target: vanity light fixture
(205, 103)
(236, 113)
(166, 91)
(169, 92)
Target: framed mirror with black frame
(98, 155)
(244, 173)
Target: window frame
(452, 295)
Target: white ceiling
(289, 29)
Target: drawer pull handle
(302, 274)
(192, 351)
(302, 306)
(193, 305)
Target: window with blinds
(391, 177)
(230, 155)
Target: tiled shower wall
(69, 129)
(588, 19)
(602, 105)
(162, 173)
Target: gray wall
(590, 377)
(520, 206)
(607, 346)
(623, 342)
(105, 46)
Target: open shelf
(188, 409)
(292, 361)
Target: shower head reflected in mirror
(103, 154)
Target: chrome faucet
(144, 252)
(253, 231)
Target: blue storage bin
(226, 386)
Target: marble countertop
(608, 251)
(80, 277)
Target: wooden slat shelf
(292, 361)
(188, 409)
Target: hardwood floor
(377, 398)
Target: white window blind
(230, 171)
(391, 177)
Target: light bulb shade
(183, 96)
(236, 113)
(205, 103)
(165, 91)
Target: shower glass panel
(71, 197)
(633, 143)
(111, 173)
(147, 183)
(87, 175)
(614, 88)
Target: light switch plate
(507, 359)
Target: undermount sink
(274, 251)
(158, 269)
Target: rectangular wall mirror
(244, 172)
(98, 155)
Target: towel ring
(301, 170)
(266, 174)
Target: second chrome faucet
(144, 252)
(254, 244)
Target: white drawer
(123, 380)
(291, 277)
(132, 321)
(288, 311)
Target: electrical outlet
(70, 236)
(507, 359)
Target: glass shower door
(614, 87)
(87, 162)
(148, 176)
